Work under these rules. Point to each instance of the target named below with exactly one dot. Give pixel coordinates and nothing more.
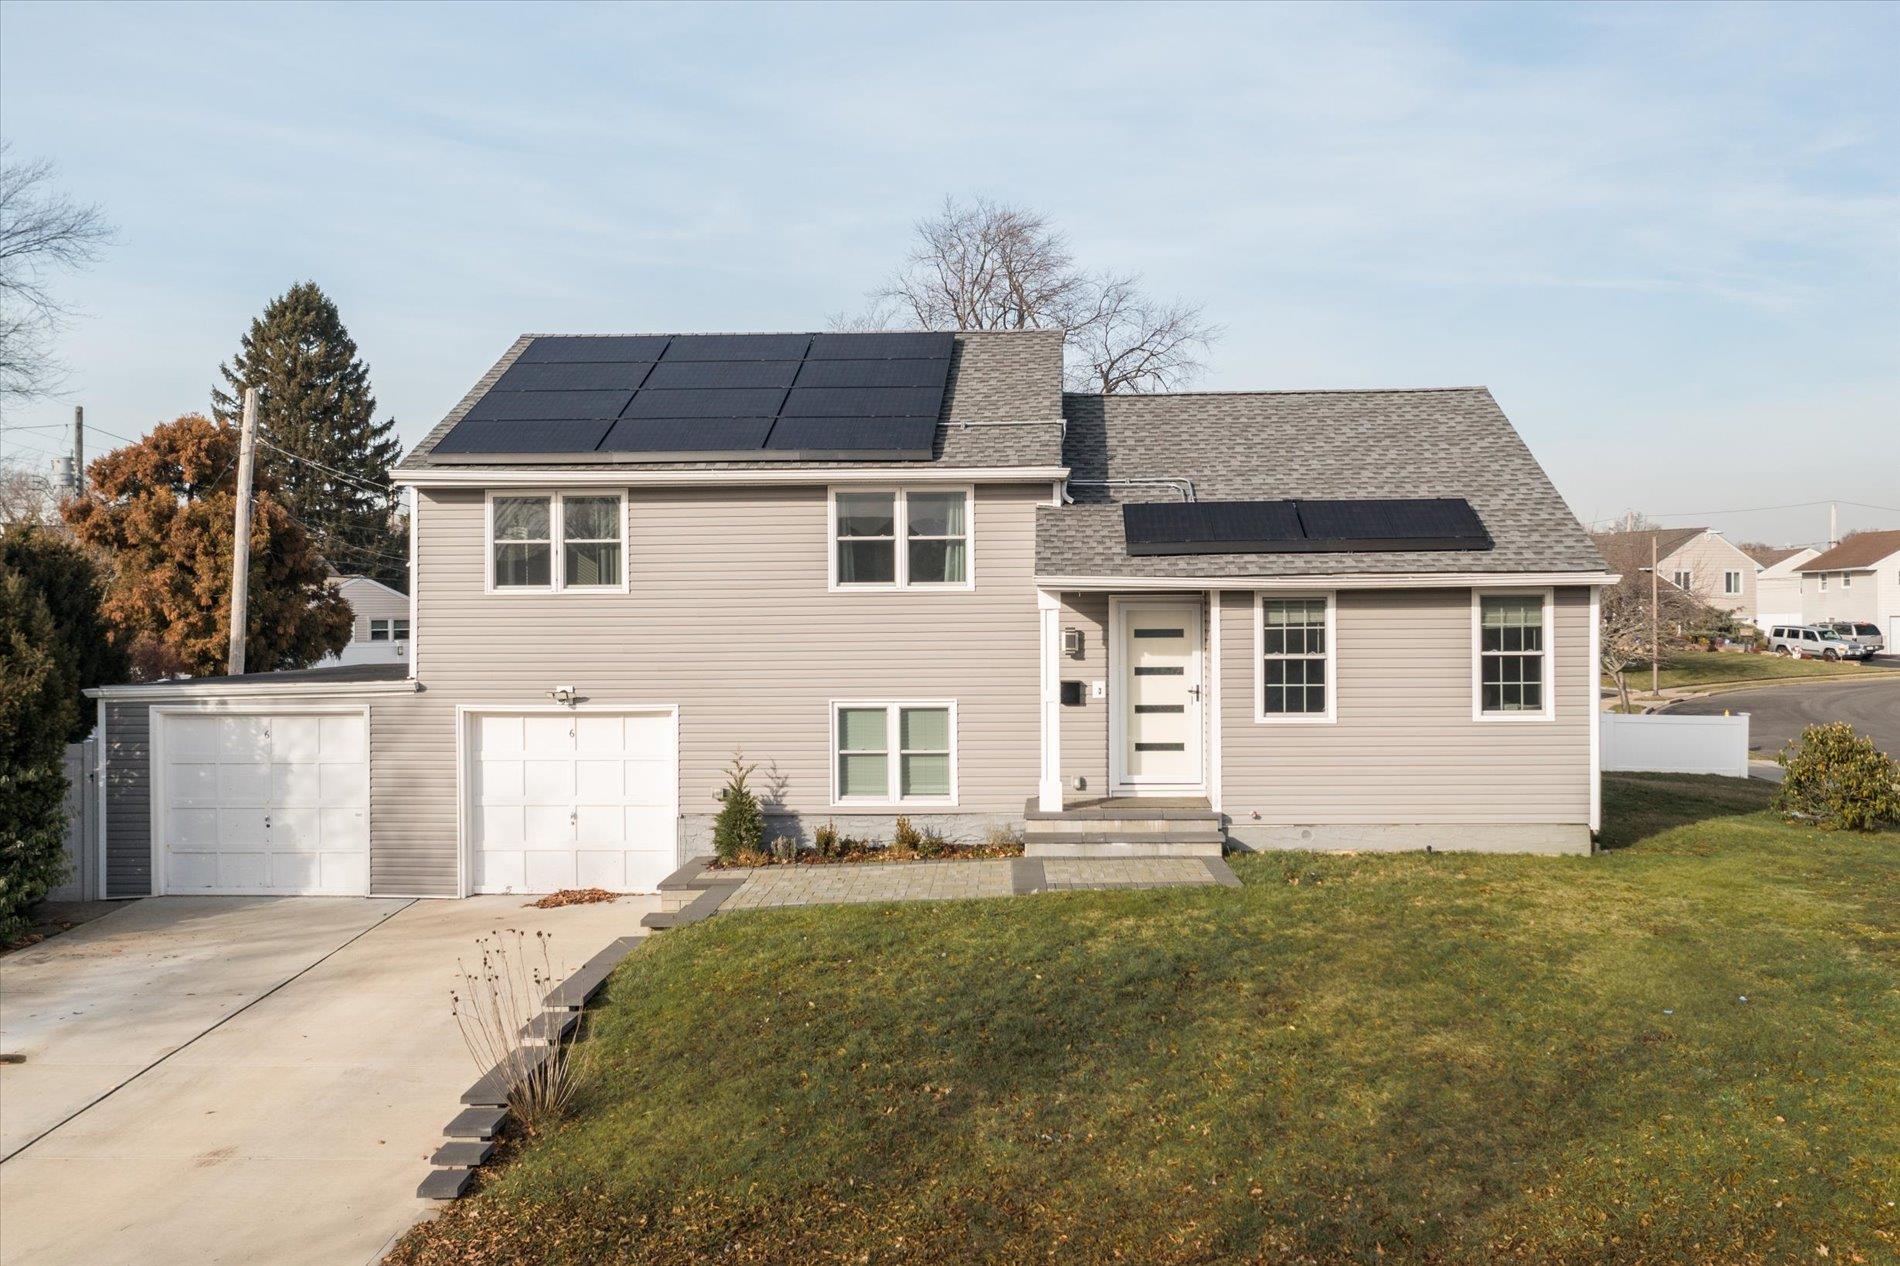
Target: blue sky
(1668, 238)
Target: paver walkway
(771, 886)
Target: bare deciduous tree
(1626, 639)
(986, 266)
(42, 232)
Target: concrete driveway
(241, 1079)
(1778, 714)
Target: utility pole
(241, 543)
(79, 449)
(1655, 640)
(1833, 533)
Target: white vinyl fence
(1664, 744)
(82, 825)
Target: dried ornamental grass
(492, 1002)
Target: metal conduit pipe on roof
(1183, 486)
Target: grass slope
(1703, 668)
(1399, 1058)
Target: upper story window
(1682, 579)
(1731, 582)
(1847, 580)
(901, 538)
(1513, 660)
(389, 630)
(1294, 679)
(556, 541)
(1823, 582)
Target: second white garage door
(572, 799)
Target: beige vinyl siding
(128, 800)
(1085, 727)
(1405, 748)
(727, 615)
(1705, 559)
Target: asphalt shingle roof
(1244, 446)
(1629, 551)
(996, 376)
(1863, 550)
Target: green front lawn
(1682, 1050)
(1704, 668)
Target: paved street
(1778, 714)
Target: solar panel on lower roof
(1302, 527)
(862, 402)
(687, 435)
(608, 348)
(755, 402)
(699, 374)
(574, 376)
(737, 347)
(493, 436)
(927, 346)
(904, 439)
(529, 406)
(908, 372)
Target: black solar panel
(606, 348)
(863, 402)
(686, 435)
(907, 372)
(753, 403)
(698, 374)
(737, 347)
(1303, 527)
(491, 436)
(904, 439)
(574, 376)
(882, 346)
(530, 406)
(773, 397)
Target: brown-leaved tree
(166, 508)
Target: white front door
(572, 799)
(267, 802)
(1159, 689)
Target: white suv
(1807, 641)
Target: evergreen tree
(315, 405)
(88, 650)
(35, 714)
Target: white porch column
(1049, 786)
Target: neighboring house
(1697, 560)
(1778, 583)
(905, 574)
(1859, 579)
(380, 634)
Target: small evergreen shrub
(827, 840)
(740, 826)
(1838, 780)
(930, 844)
(905, 837)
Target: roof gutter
(161, 691)
(625, 477)
(1342, 580)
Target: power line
(1796, 505)
(384, 490)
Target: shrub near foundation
(1838, 780)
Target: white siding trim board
(628, 477)
(1343, 580)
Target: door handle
(1196, 692)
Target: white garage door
(263, 802)
(572, 800)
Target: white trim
(634, 477)
(415, 576)
(893, 756)
(465, 712)
(164, 691)
(155, 776)
(1260, 715)
(99, 768)
(1215, 714)
(1049, 626)
(1344, 580)
(340, 583)
(900, 543)
(1591, 679)
(1549, 652)
(557, 544)
(1120, 693)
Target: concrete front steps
(1124, 827)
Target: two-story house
(1859, 580)
(1697, 560)
(904, 574)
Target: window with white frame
(1513, 650)
(900, 538)
(1295, 675)
(557, 541)
(894, 753)
(1847, 580)
(389, 630)
(1682, 579)
(1731, 582)
(1823, 576)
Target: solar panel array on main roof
(1303, 527)
(770, 397)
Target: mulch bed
(873, 854)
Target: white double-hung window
(1294, 675)
(894, 752)
(1511, 675)
(1731, 582)
(901, 538)
(556, 541)
(389, 630)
